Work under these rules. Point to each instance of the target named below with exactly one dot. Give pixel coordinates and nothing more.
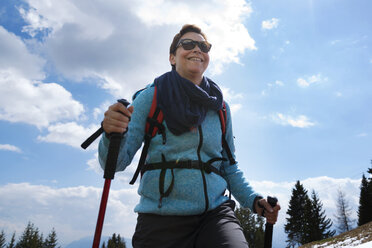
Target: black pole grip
(269, 227)
(92, 138)
(113, 150)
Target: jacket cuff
(257, 198)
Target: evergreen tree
(12, 242)
(30, 238)
(320, 225)
(308, 222)
(343, 216)
(116, 242)
(369, 190)
(2, 239)
(252, 226)
(51, 240)
(365, 200)
(103, 245)
(296, 211)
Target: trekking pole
(112, 157)
(269, 227)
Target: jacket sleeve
(238, 184)
(132, 140)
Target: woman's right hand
(117, 118)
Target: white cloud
(270, 24)
(223, 24)
(300, 121)
(362, 135)
(304, 83)
(271, 86)
(16, 57)
(338, 94)
(7, 147)
(126, 44)
(34, 102)
(69, 133)
(334, 42)
(231, 98)
(73, 210)
(23, 97)
(230, 95)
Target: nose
(196, 49)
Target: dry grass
(362, 233)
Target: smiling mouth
(195, 59)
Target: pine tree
(51, 240)
(30, 238)
(320, 225)
(12, 242)
(2, 239)
(369, 190)
(116, 242)
(343, 216)
(296, 211)
(365, 200)
(308, 222)
(252, 226)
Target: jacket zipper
(202, 169)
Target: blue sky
(297, 75)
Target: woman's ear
(172, 59)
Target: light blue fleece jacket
(187, 196)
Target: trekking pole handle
(269, 227)
(272, 201)
(113, 150)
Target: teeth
(195, 59)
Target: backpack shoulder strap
(138, 92)
(223, 116)
(153, 126)
(155, 117)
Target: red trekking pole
(112, 157)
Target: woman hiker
(186, 168)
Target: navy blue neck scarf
(185, 104)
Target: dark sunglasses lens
(203, 47)
(188, 44)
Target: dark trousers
(218, 228)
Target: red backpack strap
(153, 126)
(155, 117)
(225, 145)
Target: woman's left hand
(271, 213)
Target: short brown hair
(185, 29)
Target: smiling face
(190, 64)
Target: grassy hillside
(358, 235)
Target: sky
(297, 76)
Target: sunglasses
(189, 44)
